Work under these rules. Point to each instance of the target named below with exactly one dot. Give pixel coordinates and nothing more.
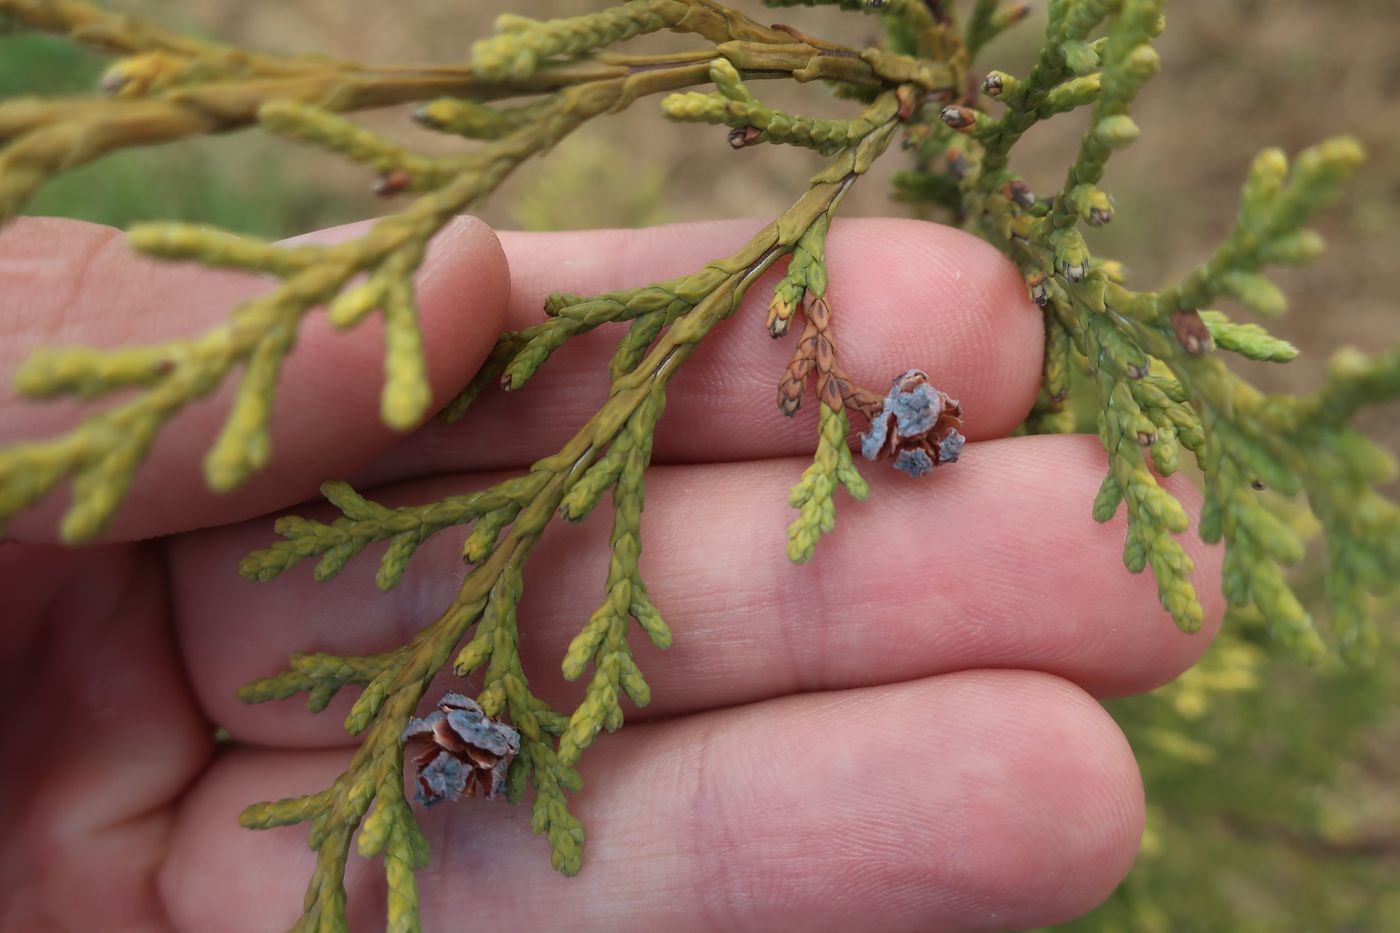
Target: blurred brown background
(1237, 75)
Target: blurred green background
(1274, 792)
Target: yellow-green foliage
(1150, 362)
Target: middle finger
(994, 563)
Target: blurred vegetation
(1273, 804)
(1274, 792)
(239, 183)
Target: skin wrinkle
(984, 786)
(67, 828)
(708, 817)
(808, 644)
(71, 273)
(91, 258)
(22, 814)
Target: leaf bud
(1009, 16)
(1019, 193)
(1117, 131)
(962, 119)
(144, 74)
(1191, 331)
(1144, 62)
(780, 311)
(743, 137)
(1039, 289)
(392, 182)
(957, 165)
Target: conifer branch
(611, 451)
(1242, 440)
(104, 452)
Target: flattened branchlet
(1151, 362)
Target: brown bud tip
(1060, 396)
(993, 85)
(392, 183)
(957, 165)
(1134, 371)
(1019, 13)
(780, 312)
(1020, 194)
(1076, 272)
(1191, 331)
(907, 102)
(741, 137)
(1099, 217)
(1257, 484)
(1040, 291)
(1146, 438)
(959, 118)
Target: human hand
(900, 735)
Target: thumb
(65, 283)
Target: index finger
(65, 283)
(904, 294)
